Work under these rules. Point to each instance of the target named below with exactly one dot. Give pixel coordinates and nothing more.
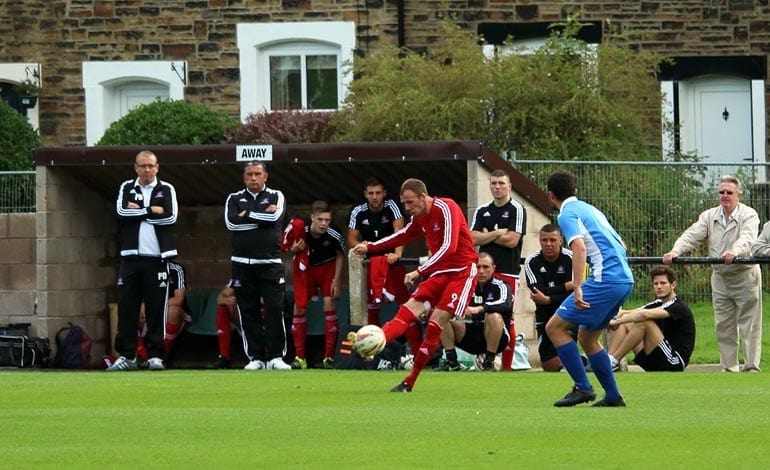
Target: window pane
(321, 81)
(285, 82)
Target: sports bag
(23, 351)
(73, 348)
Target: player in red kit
(317, 247)
(448, 275)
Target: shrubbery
(17, 140)
(169, 123)
(284, 127)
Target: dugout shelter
(76, 250)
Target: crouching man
(661, 333)
(489, 313)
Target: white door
(715, 118)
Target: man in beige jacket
(761, 247)
(730, 229)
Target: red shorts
(451, 291)
(394, 289)
(306, 283)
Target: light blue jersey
(605, 252)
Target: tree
(17, 140)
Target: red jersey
(446, 235)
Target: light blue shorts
(605, 300)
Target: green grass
(348, 419)
(706, 350)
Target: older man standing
(736, 289)
(147, 210)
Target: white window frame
(16, 73)
(102, 82)
(257, 41)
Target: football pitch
(349, 419)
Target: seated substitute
(490, 311)
(661, 333)
(549, 278)
(318, 250)
(227, 315)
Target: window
(12, 74)
(294, 65)
(112, 89)
(303, 81)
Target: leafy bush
(284, 127)
(169, 123)
(17, 140)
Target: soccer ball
(370, 340)
(407, 362)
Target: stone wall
(17, 269)
(63, 34)
(75, 256)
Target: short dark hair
(319, 207)
(664, 270)
(562, 184)
(374, 181)
(255, 163)
(500, 174)
(484, 254)
(550, 228)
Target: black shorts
(662, 359)
(545, 347)
(474, 342)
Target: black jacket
(129, 220)
(256, 235)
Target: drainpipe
(400, 13)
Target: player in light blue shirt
(594, 301)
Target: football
(370, 340)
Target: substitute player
(498, 229)
(379, 217)
(661, 333)
(448, 275)
(548, 273)
(489, 313)
(317, 247)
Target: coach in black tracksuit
(255, 217)
(147, 210)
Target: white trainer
(277, 364)
(256, 364)
(155, 363)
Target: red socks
(507, 356)
(171, 332)
(414, 336)
(330, 333)
(399, 324)
(299, 334)
(224, 330)
(425, 351)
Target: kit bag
(24, 352)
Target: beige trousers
(737, 299)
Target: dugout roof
(204, 175)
